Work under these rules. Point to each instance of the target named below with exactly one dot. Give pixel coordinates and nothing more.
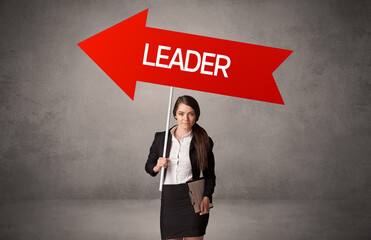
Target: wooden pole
(166, 136)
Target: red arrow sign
(129, 51)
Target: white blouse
(179, 168)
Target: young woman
(188, 155)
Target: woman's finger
(202, 208)
(162, 162)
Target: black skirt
(177, 218)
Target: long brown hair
(201, 137)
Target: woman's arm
(152, 157)
(209, 173)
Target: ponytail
(202, 145)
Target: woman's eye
(181, 114)
(192, 114)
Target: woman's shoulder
(159, 134)
(211, 142)
(162, 133)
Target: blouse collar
(172, 131)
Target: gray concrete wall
(67, 131)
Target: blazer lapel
(168, 147)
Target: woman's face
(185, 116)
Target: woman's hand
(204, 206)
(161, 162)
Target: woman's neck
(180, 132)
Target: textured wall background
(67, 131)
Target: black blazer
(156, 151)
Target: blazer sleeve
(153, 157)
(209, 173)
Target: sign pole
(166, 136)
